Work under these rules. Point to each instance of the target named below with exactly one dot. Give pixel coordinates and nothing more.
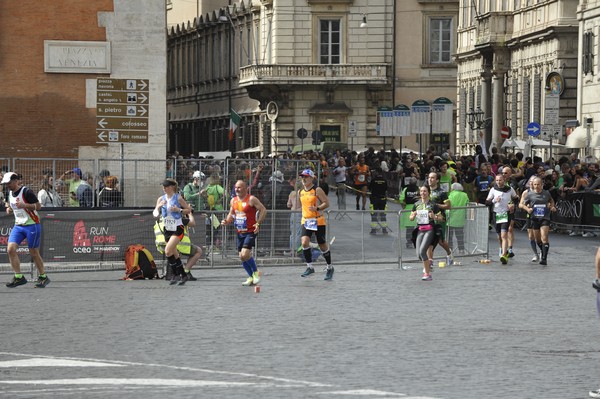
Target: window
(329, 41)
(588, 52)
(440, 40)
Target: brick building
(51, 54)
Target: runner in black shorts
(538, 204)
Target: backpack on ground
(139, 263)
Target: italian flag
(234, 122)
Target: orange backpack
(139, 263)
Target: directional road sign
(122, 110)
(533, 129)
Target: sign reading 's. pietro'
(122, 110)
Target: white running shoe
(255, 278)
(535, 259)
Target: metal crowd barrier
(96, 240)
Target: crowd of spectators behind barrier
(565, 175)
(72, 188)
(270, 178)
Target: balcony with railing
(314, 74)
(494, 28)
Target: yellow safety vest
(184, 247)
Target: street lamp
(475, 118)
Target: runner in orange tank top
(361, 173)
(314, 201)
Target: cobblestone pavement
(476, 331)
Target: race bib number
(310, 224)
(361, 178)
(423, 216)
(20, 216)
(502, 217)
(484, 185)
(539, 211)
(240, 223)
(170, 223)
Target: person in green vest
(447, 176)
(408, 197)
(457, 216)
(214, 194)
(73, 181)
(185, 247)
(193, 193)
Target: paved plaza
(476, 331)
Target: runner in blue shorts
(24, 205)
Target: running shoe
(255, 278)
(543, 261)
(384, 230)
(430, 267)
(329, 273)
(308, 272)
(426, 277)
(536, 258)
(449, 260)
(499, 251)
(511, 254)
(588, 234)
(16, 282)
(249, 281)
(42, 282)
(504, 259)
(176, 278)
(596, 284)
(190, 277)
(595, 394)
(373, 231)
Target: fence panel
(467, 237)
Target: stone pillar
(497, 108)
(486, 103)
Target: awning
(249, 150)
(520, 144)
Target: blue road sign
(534, 129)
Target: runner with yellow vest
(314, 201)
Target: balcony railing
(314, 74)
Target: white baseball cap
(198, 174)
(8, 177)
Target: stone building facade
(511, 56)
(326, 65)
